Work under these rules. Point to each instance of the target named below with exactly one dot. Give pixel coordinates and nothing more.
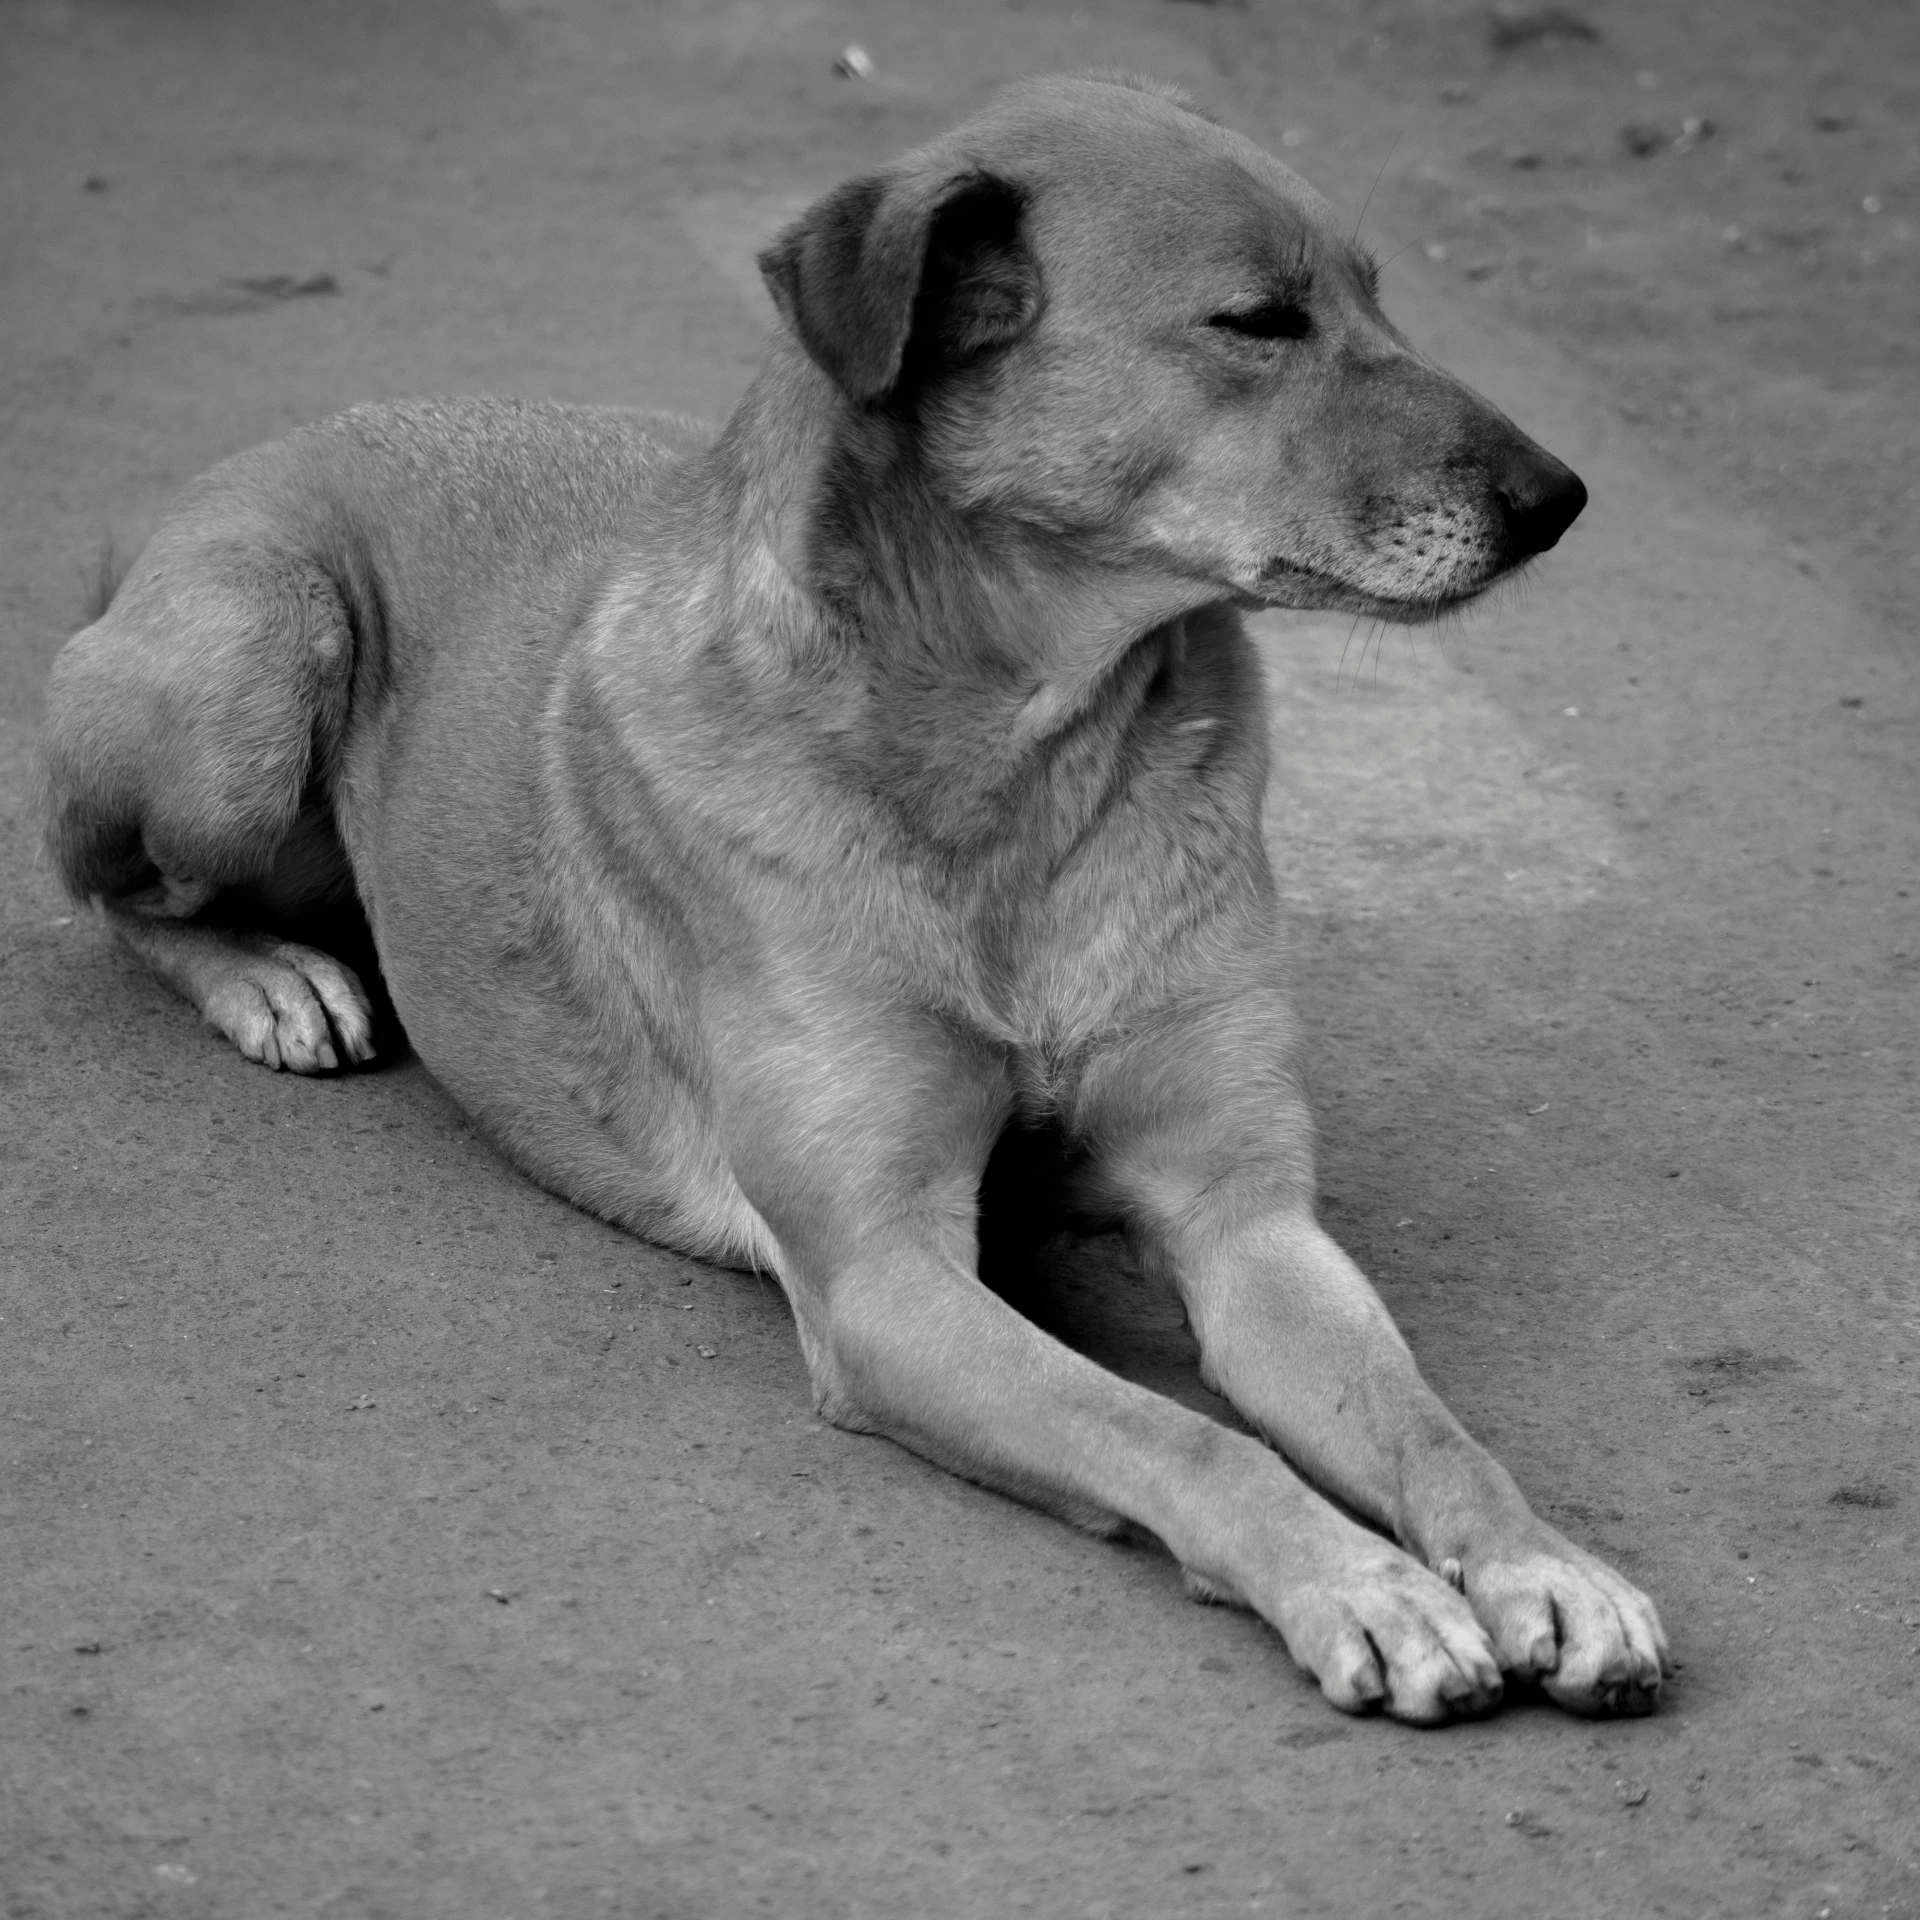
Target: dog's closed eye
(1285, 319)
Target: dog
(754, 829)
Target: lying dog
(753, 829)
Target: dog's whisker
(1354, 237)
(1344, 645)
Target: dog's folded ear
(895, 276)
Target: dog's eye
(1271, 320)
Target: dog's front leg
(1291, 1332)
(909, 1342)
(867, 1178)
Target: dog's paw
(292, 1007)
(1386, 1633)
(1560, 1617)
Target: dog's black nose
(1539, 499)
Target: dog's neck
(966, 667)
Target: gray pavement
(382, 1537)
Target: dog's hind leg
(191, 734)
(281, 1003)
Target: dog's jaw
(1298, 588)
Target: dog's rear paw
(292, 1007)
(1560, 1617)
(1389, 1634)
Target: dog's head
(1101, 315)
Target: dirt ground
(383, 1538)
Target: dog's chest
(816, 876)
(1047, 947)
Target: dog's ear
(897, 275)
